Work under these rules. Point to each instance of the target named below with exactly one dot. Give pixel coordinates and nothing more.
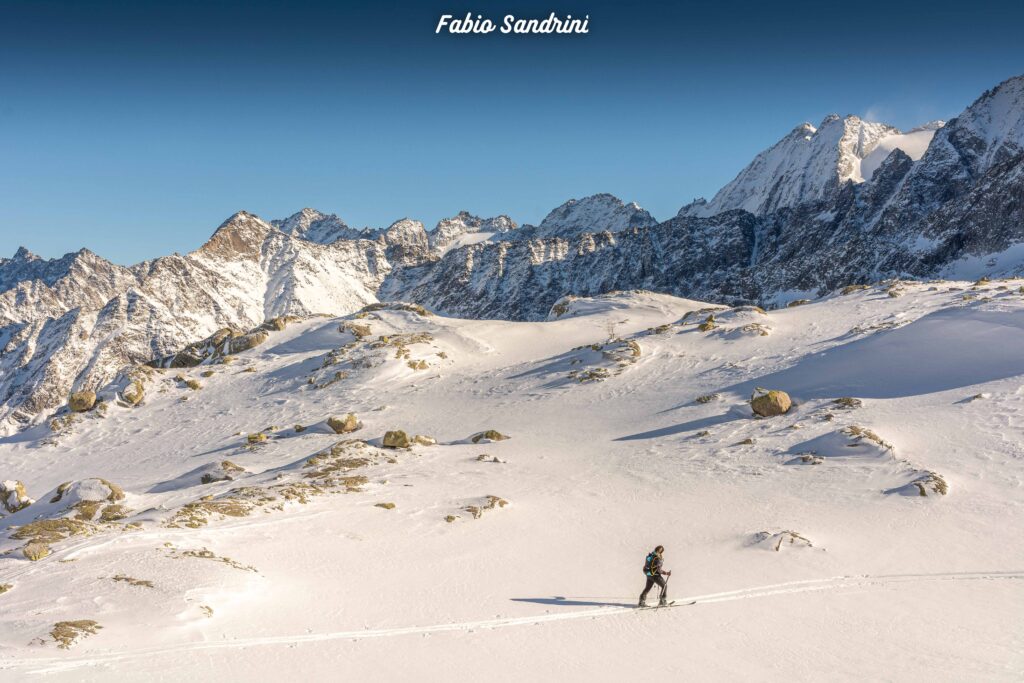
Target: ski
(671, 603)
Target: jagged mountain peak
(808, 164)
(931, 125)
(466, 228)
(315, 226)
(989, 131)
(23, 254)
(596, 213)
(241, 235)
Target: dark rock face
(964, 198)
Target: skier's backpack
(649, 564)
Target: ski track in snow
(54, 665)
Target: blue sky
(135, 128)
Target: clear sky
(134, 128)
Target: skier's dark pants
(651, 580)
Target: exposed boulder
(708, 324)
(396, 439)
(35, 550)
(924, 484)
(424, 440)
(220, 471)
(488, 436)
(344, 425)
(769, 403)
(133, 393)
(246, 341)
(82, 401)
(848, 402)
(279, 323)
(13, 496)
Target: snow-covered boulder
(13, 496)
(344, 425)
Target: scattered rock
(206, 373)
(193, 384)
(396, 439)
(138, 583)
(13, 496)
(357, 330)
(35, 550)
(749, 441)
(386, 506)
(246, 341)
(424, 440)
(848, 402)
(82, 401)
(258, 437)
(926, 483)
(222, 471)
(798, 302)
(279, 323)
(488, 436)
(780, 539)
(806, 459)
(708, 324)
(850, 289)
(769, 403)
(450, 518)
(299, 429)
(489, 503)
(344, 425)
(396, 306)
(708, 398)
(133, 393)
(860, 434)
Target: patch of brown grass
(66, 633)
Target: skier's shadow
(560, 601)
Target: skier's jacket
(652, 564)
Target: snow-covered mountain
(310, 224)
(597, 213)
(849, 202)
(404, 496)
(809, 164)
(89, 318)
(913, 143)
(464, 228)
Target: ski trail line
(54, 664)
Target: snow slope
(292, 570)
(914, 143)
